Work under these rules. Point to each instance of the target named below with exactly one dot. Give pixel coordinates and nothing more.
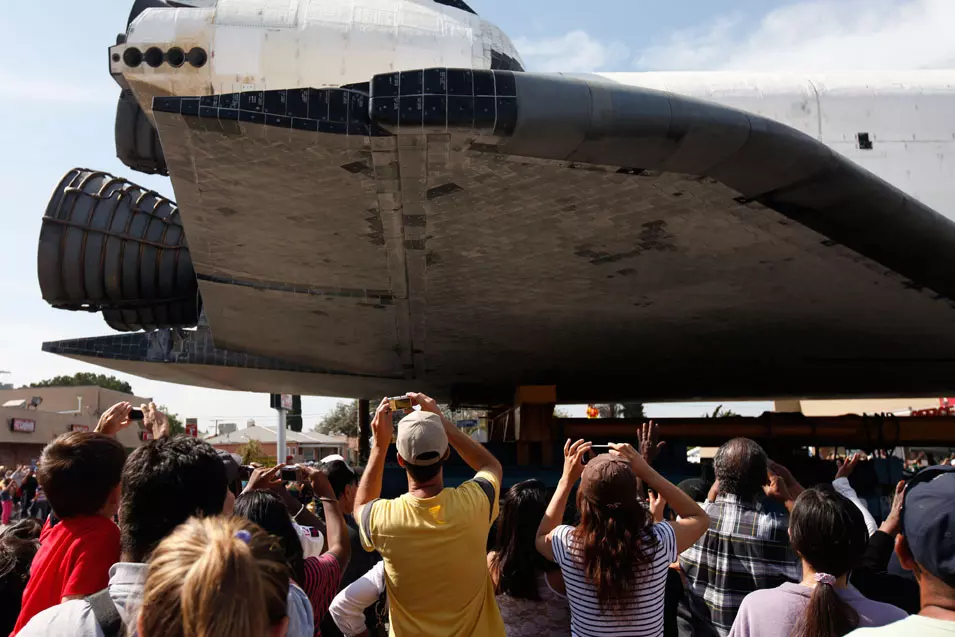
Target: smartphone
(290, 474)
(595, 450)
(136, 414)
(400, 403)
(245, 472)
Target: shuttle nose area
(219, 47)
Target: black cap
(232, 463)
(928, 520)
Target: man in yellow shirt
(432, 539)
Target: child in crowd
(216, 577)
(18, 545)
(79, 473)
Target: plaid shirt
(745, 549)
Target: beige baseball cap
(422, 440)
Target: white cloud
(573, 52)
(816, 35)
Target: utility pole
(280, 403)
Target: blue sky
(57, 105)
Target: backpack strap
(106, 614)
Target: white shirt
(842, 486)
(348, 607)
(312, 540)
(911, 626)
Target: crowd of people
(21, 495)
(175, 540)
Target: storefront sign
(23, 425)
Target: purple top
(773, 612)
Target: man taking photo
(432, 539)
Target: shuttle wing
(465, 231)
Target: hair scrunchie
(825, 578)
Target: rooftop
(267, 435)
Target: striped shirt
(641, 616)
(322, 576)
(745, 549)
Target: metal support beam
(364, 430)
(863, 432)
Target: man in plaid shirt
(746, 547)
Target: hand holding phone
(291, 474)
(400, 403)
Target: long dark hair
(614, 540)
(515, 559)
(829, 532)
(270, 513)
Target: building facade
(28, 424)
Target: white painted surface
(909, 116)
(276, 44)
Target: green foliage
(621, 410)
(176, 425)
(342, 420)
(250, 451)
(82, 379)
(719, 412)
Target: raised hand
(847, 467)
(777, 489)
(893, 521)
(657, 505)
(114, 419)
(425, 402)
(263, 479)
(155, 421)
(792, 485)
(382, 426)
(647, 441)
(319, 481)
(638, 463)
(574, 459)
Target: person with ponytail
(829, 534)
(528, 587)
(615, 561)
(316, 580)
(216, 577)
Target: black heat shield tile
(433, 100)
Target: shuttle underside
(463, 231)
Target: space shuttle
(374, 196)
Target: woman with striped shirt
(615, 560)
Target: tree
(82, 379)
(250, 452)
(621, 410)
(175, 422)
(342, 420)
(719, 412)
